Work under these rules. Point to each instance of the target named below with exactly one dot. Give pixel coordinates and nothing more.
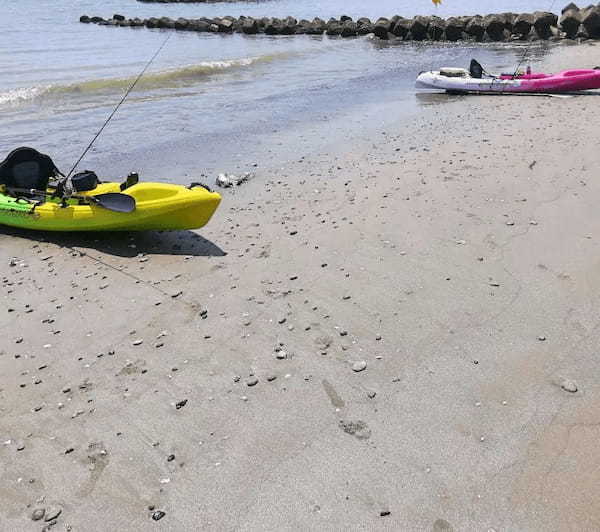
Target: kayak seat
(454, 72)
(27, 168)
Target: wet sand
(392, 336)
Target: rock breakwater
(573, 23)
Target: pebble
(181, 404)
(280, 355)
(37, 514)
(385, 512)
(158, 515)
(542, 338)
(359, 366)
(137, 342)
(252, 381)
(568, 386)
(52, 512)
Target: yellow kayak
(158, 206)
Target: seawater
(211, 103)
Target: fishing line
(528, 47)
(131, 87)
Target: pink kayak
(460, 80)
(567, 80)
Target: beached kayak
(460, 80)
(158, 206)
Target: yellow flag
(437, 2)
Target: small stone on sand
(52, 512)
(37, 514)
(568, 386)
(359, 366)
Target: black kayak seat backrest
(475, 69)
(27, 168)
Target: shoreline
(387, 336)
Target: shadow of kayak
(125, 244)
(430, 98)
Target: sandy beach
(395, 335)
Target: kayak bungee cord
(131, 87)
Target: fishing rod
(131, 87)
(528, 47)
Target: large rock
(273, 27)
(165, 22)
(85, 19)
(475, 27)
(382, 28)
(509, 20)
(436, 29)
(591, 21)
(401, 27)
(569, 7)
(495, 26)
(200, 25)
(418, 27)
(350, 29)
(523, 24)
(365, 26)
(454, 28)
(542, 22)
(289, 26)
(317, 27)
(182, 24)
(225, 25)
(250, 26)
(570, 22)
(334, 27)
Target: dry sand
(211, 375)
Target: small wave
(16, 96)
(154, 80)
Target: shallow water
(210, 103)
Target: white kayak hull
(434, 80)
